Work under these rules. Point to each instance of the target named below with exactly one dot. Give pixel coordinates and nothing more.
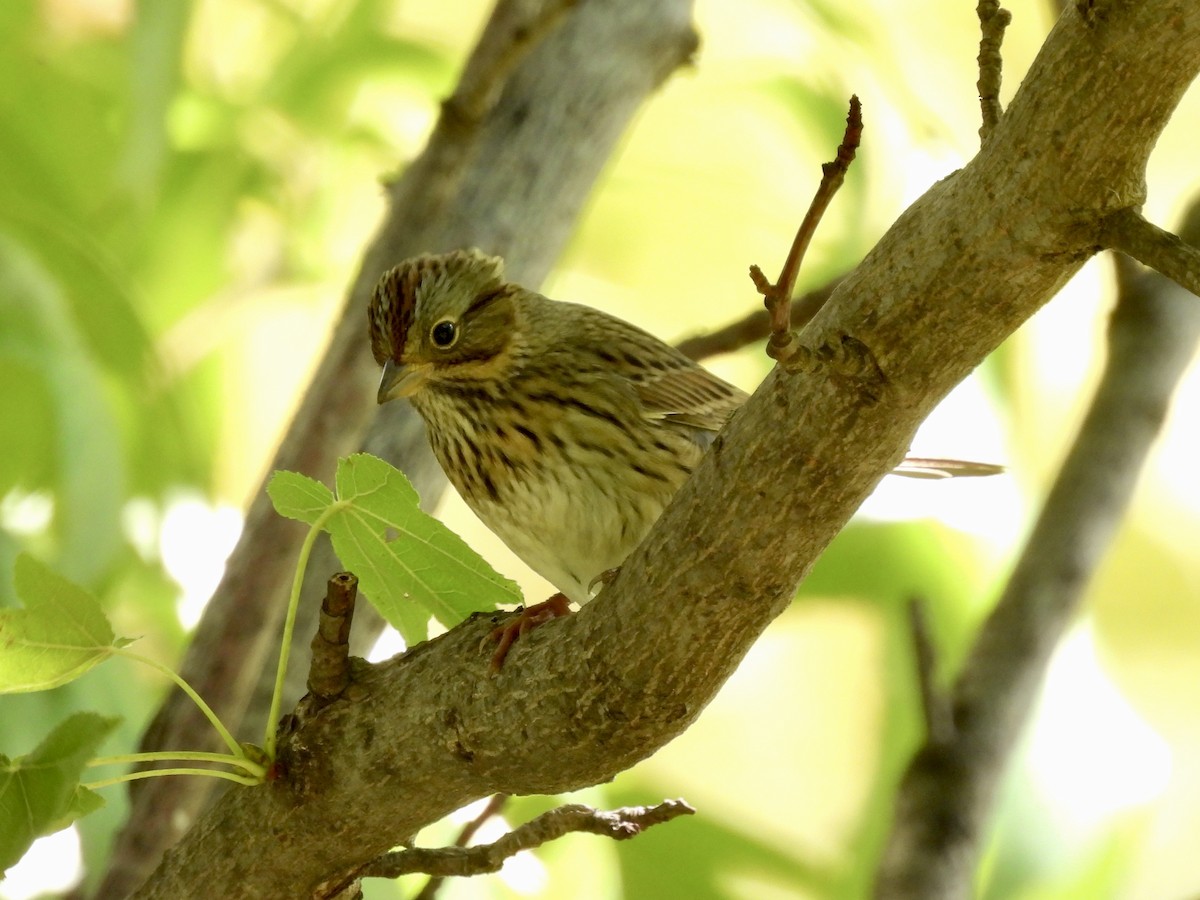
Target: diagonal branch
(618, 824)
(946, 795)
(935, 704)
(1126, 231)
(585, 697)
(484, 179)
(493, 808)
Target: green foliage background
(185, 188)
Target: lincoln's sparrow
(565, 429)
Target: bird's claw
(529, 618)
(603, 580)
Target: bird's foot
(601, 581)
(504, 636)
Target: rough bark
(509, 178)
(585, 697)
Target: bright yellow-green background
(185, 189)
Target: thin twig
(619, 824)
(935, 705)
(781, 346)
(992, 22)
(755, 326)
(492, 808)
(946, 795)
(1169, 254)
(329, 673)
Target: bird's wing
(687, 395)
(670, 387)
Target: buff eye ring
(444, 334)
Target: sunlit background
(185, 189)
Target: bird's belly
(571, 526)
(571, 497)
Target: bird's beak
(401, 380)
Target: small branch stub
(1128, 232)
(993, 20)
(329, 673)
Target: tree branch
(488, 183)
(946, 795)
(782, 345)
(493, 807)
(935, 705)
(1127, 232)
(585, 697)
(513, 29)
(618, 824)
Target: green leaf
(40, 793)
(60, 634)
(299, 497)
(425, 562)
(409, 565)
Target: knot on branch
(846, 360)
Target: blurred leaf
(40, 792)
(127, 692)
(45, 109)
(156, 48)
(59, 635)
(85, 468)
(1033, 855)
(889, 563)
(426, 570)
(28, 455)
(1146, 620)
(316, 81)
(837, 18)
(100, 299)
(1105, 865)
(86, 801)
(183, 259)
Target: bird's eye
(444, 333)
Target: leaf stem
(244, 763)
(155, 773)
(234, 747)
(289, 623)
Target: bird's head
(441, 318)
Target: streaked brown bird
(565, 429)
